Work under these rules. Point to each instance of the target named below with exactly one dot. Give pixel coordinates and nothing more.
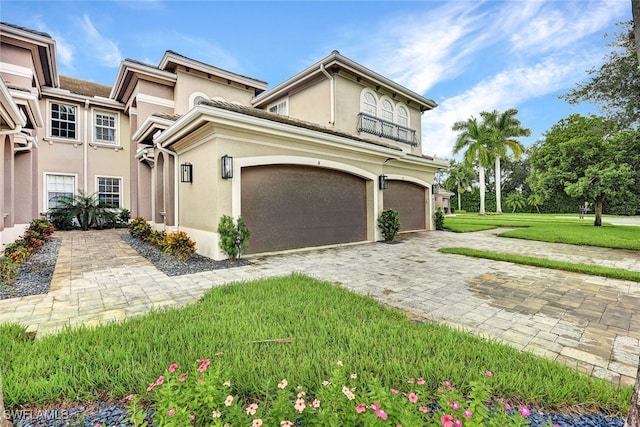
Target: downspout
(332, 94)
(176, 187)
(85, 147)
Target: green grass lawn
(550, 228)
(324, 323)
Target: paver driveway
(581, 320)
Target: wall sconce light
(226, 166)
(382, 182)
(186, 172)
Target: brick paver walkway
(585, 321)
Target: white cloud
(97, 46)
(506, 89)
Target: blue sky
(468, 56)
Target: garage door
(409, 200)
(290, 206)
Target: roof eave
(129, 67)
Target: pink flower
(361, 408)
(395, 391)
(454, 405)
(151, 386)
(381, 414)
(204, 365)
(171, 412)
(200, 379)
(283, 384)
(286, 423)
(413, 398)
(193, 417)
(160, 380)
(423, 409)
(420, 381)
(300, 405)
(446, 420)
(301, 394)
(128, 398)
(507, 406)
(447, 384)
(354, 376)
(256, 423)
(315, 404)
(219, 353)
(173, 367)
(524, 411)
(183, 377)
(228, 401)
(348, 393)
(489, 373)
(457, 423)
(251, 409)
(411, 381)
(326, 383)
(468, 414)
(216, 414)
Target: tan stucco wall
(209, 197)
(188, 84)
(313, 103)
(15, 56)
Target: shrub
(233, 236)
(205, 396)
(86, 209)
(16, 253)
(389, 223)
(8, 270)
(139, 228)
(20, 254)
(438, 218)
(157, 238)
(124, 216)
(42, 226)
(179, 244)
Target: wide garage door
(409, 200)
(291, 206)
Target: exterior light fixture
(382, 182)
(226, 166)
(186, 172)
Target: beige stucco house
(310, 162)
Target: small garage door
(409, 200)
(291, 206)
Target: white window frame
(45, 193)
(387, 114)
(116, 129)
(281, 107)
(120, 189)
(50, 119)
(364, 103)
(399, 108)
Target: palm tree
(515, 200)
(459, 178)
(475, 139)
(505, 129)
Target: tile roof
(18, 27)
(263, 114)
(167, 116)
(84, 87)
(213, 66)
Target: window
(59, 187)
(109, 191)
(369, 104)
(403, 116)
(387, 110)
(279, 108)
(63, 121)
(105, 127)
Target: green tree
(578, 156)
(535, 200)
(459, 179)
(505, 129)
(475, 139)
(614, 86)
(85, 208)
(515, 200)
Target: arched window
(387, 110)
(369, 104)
(403, 116)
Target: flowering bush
(205, 397)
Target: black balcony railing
(376, 126)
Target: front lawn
(293, 327)
(550, 228)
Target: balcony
(376, 126)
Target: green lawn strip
(613, 273)
(325, 323)
(550, 228)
